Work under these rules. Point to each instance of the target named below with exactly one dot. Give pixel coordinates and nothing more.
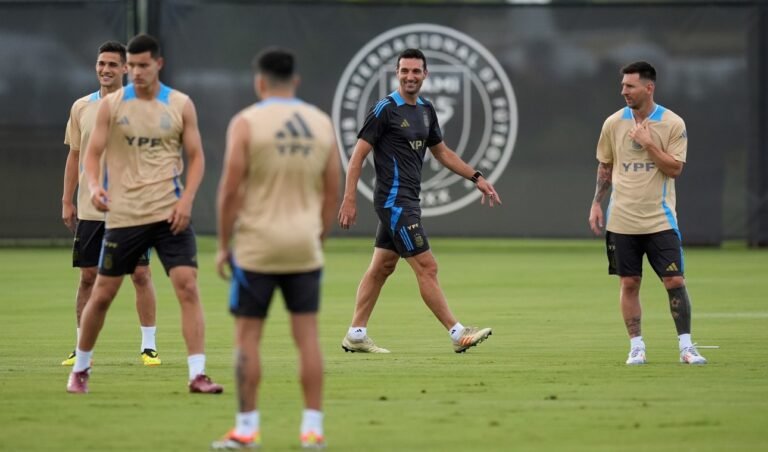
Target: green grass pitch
(551, 378)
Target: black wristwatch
(476, 176)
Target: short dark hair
(412, 53)
(642, 68)
(275, 63)
(144, 43)
(113, 46)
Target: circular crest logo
(474, 100)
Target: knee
(186, 290)
(383, 269)
(87, 278)
(429, 270)
(673, 282)
(141, 277)
(630, 284)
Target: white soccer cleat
(470, 336)
(689, 355)
(636, 356)
(364, 345)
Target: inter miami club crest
(472, 95)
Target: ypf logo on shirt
(474, 100)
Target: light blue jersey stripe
(396, 212)
(395, 185)
(380, 107)
(238, 279)
(672, 223)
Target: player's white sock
(196, 365)
(357, 332)
(456, 330)
(82, 360)
(246, 424)
(684, 341)
(636, 341)
(312, 421)
(148, 337)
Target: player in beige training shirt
(277, 200)
(641, 150)
(140, 130)
(85, 220)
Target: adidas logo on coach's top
(123, 121)
(405, 123)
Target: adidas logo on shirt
(294, 134)
(405, 123)
(123, 121)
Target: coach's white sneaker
(636, 356)
(689, 355)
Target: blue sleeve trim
(164, 95)
(658, 112)
(129, 92)
(380, 106)
(279, 100)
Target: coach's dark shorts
(400, 230)
(251, 292)
(123, 248)
(86, 249)
(625, 253)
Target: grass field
(551, 378)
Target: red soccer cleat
(78, 382)
(204, 385)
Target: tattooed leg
(680, 306)
(630, 304)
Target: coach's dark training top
(400, 134)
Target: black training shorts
(123, 248)
(86, 248)
(251, 293)
(625, 253)
(401, 231)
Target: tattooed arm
(604, 174)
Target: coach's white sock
(684, 341)
(196, 365)
(357, 332)
(312, 421)
(148, 337)
(636, 341)
(456, 330)
(82, 360)
(246, 424)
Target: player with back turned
(277, 201)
